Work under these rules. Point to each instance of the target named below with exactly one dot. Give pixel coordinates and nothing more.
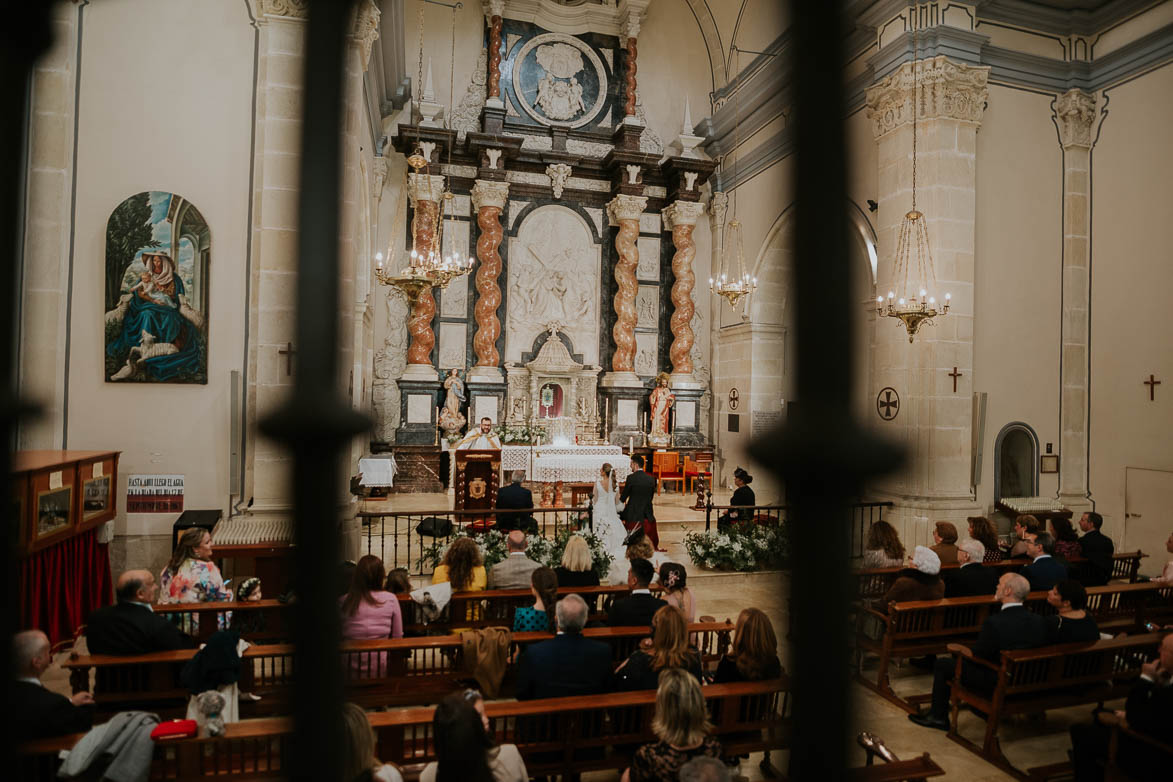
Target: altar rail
(392, 535)
(863, 515)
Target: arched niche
(1016, 461)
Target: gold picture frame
(1049, 463)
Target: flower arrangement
(743, 547)
(519, 435)
(547, 551)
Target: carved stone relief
(553, 278)
(454, 299)
(649, 258)
(453, 340)
(467, 116)
(563, 94)
(647, 307)
(645, 354)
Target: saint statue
(660, 400)
(451, 419)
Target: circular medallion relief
(559, 80)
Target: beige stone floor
(723, 595)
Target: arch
(712, 38)
(1016, 461)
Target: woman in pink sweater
(369, 612)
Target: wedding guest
(1066, 541)
(670, 649)
(973, 578)
(369, 613)
(638, 608)
(1166, 576)
(540, 617)
(359, 762)
(945, 542)
(464, 747)
(742, 501)
(246, 623)
(753, 655)
(38, 712)
(637, 547)
(577, 569)
(682, 726)
(398, 581)
(1044, 571)
(883, 547)
(982, 530)
(514, 571)
(674, 579)
(192, 577)
(1097, 549)
(130, 626)
(1024, 525)
(1072, 622)
(464, 568)
(921, 582)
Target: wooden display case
(60, 494)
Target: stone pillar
(680, 217)
(47, 228)
(488, 198)
(1075, 116)
(496, 10)
(933, 422)
(425, 191)
(624, 211)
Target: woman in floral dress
(192, 577)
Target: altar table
(569, 463)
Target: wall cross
(288, 352)
(954, 374)
(1152, 383)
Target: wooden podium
(475, 482)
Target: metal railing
(863, 515)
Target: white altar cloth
(571, 463)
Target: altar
(565, 463)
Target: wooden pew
(496, 607)
(872, 583)
(914, 769)
(567, 736)
(384, 672)
(917, 628)
(1052, 677)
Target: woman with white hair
(921, 582)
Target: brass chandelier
(912, 249)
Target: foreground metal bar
(822, 453)
(316, 423)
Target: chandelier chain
(419, 87)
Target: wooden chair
(666, 467)
(700, 468)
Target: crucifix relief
(954, 374)
(288, 352)
(1152, 383)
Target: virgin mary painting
(156, 298)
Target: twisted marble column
(629, 105)
(624, 211)
(495, 56)
(681, 217)
(425, 192)
(488, 198)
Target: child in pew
(248, 623)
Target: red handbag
(174, 729)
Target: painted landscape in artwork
(158, 249)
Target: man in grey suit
(637, 494)
(515, 570)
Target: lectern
(476, 479)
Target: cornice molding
(939, 89)
(608, 19)
(1074, 21)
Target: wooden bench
(914, 770)
(1053, 677)
(384, 672)
(567, 736)
(917, 628)
(495, 607)
(873, 583)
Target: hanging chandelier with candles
(913, 298)
(733, 283)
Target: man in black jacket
(1044, 571)
(1148, 711)
(516, 496)
(36, 712)
(568, 664)
(637, 609)
(130, 626)
(972, 578)
(1013, 627)
(1097, 548)
(638, 491)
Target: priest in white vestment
(481, 438)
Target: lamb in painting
(148, 348)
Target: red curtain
(60, 585)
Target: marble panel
(454, 299)
(597, 216)
(456, 237)
(486, 407)
(645, 354)
(647, 307)
(419, 408)
(650, 223)
(649, 258)
(515, 208)
(553, 276)
(627, 412)
(686, 414)
(453, 340)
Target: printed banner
(154, 494)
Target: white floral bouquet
(743, 547)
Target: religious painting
(95, 496)
(53, 510)
(158, 249)
(557, 80)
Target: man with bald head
(515, 570)
(1013, 627)
(130, 626)
(40, 713)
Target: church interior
(818, 307)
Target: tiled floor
(722, 595)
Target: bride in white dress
(608, 528)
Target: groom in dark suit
(637, 496)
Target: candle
(631, 444)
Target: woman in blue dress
(160, 334)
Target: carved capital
(493, 8)
(379, 171)
(718, 207)
(293, 9)
(630, 17)
(366, 30)
(425, 187)
(947, 90)
(626, 207)
(486, 193)
(1075, 113)
(682, 213)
